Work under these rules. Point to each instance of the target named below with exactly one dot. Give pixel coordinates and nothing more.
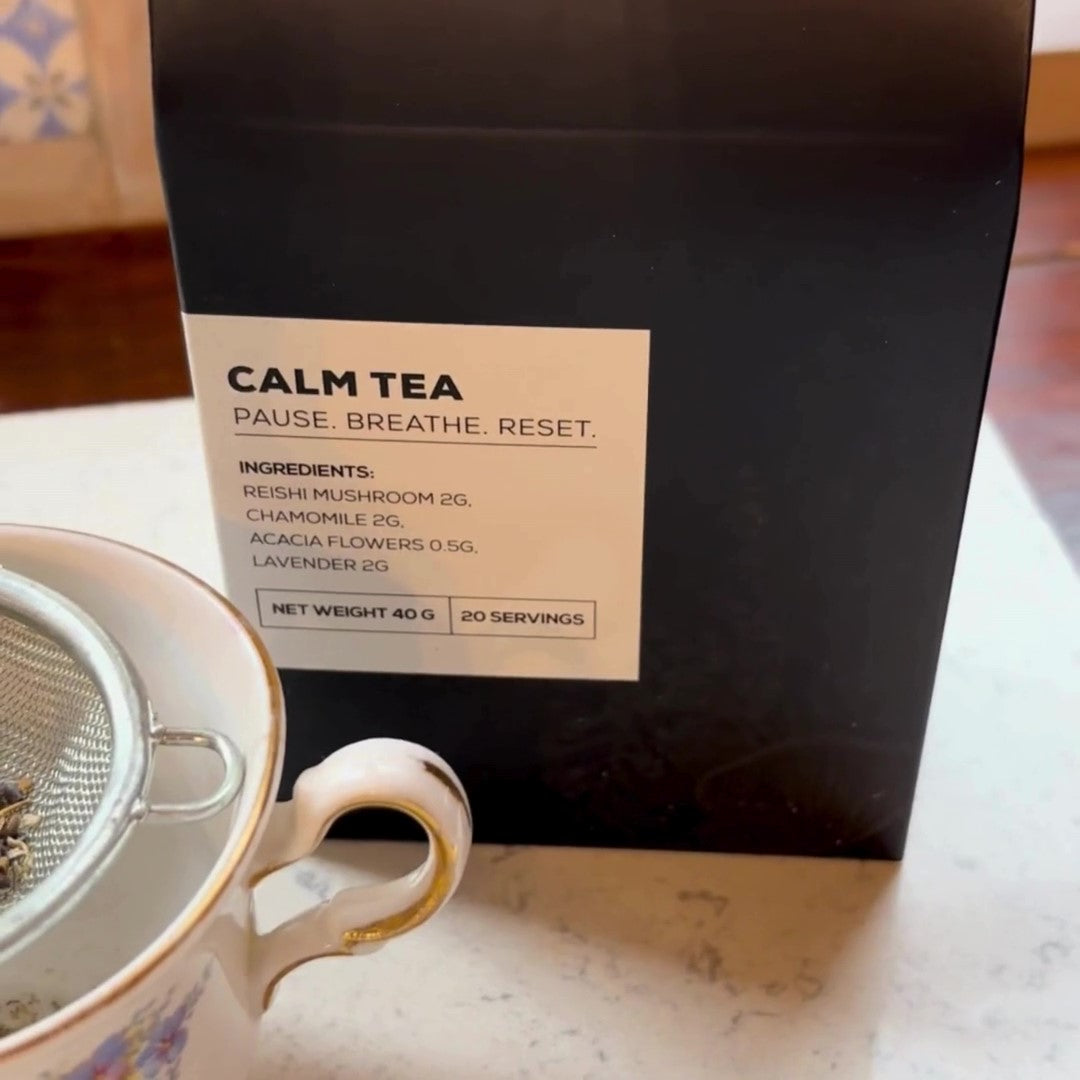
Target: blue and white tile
(44, 90)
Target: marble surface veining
(963, 962)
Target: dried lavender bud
(14, 818)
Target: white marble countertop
(963, 962)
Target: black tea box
(590, 391)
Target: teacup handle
(377, 773)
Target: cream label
(398, 497)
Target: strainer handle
(231, 759)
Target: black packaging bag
(789, 224)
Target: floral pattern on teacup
(149, 1048)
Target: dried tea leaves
(15, 818)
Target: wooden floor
(89, 318)
(94, 318)
(1034, 391)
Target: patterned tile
(44, 92)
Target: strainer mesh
(56, 730)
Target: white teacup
(161, 972)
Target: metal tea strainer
(76, 722)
